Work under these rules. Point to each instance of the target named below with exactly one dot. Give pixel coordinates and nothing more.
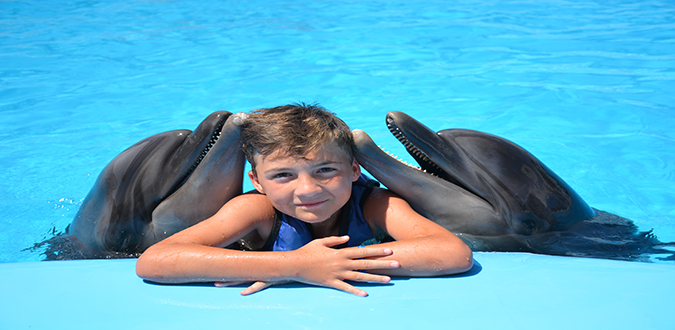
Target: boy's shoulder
(250, 213)
(253, 205)
(381, 202)
(379, 194)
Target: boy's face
(311, 189)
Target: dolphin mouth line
(425, 163)
(212, 141)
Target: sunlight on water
(586, 86)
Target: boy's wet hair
(293, 131)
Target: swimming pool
(586, 86)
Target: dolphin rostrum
(496, 196)
(155, 188)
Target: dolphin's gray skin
(155, 188)
(496, 196)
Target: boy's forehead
(329, 151)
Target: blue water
(586, 86)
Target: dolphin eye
(529, 226)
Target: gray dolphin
(496, 196)
(155, 188)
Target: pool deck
(503, 291)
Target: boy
(311, 199)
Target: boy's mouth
(311, 204)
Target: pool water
(586, 86)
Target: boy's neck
(330, 227)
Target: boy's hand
(320, 265)
(323, 266)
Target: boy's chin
(313, 218)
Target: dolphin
(496, 196)
(155, 188)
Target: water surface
(586, 86)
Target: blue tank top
(289, 233)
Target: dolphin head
(162, 184)
(473, 183)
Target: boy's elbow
(148, 268)
(460, 260)
(465, 260)
(144, 268)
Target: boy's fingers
(367, 277)
(260, 285)
(366, 252)
(377, 264)
(342, 286)
(255, 287)
(333, 240)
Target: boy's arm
(422, 247)
(195, 254)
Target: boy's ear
(256, 184)
(357, 170)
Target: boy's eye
(281, 175)
(326, 169)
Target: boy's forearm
(428, 256)
(315, 263)
(189, 263)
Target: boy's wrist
(284, 265)
(293, 262)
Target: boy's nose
(306, 186)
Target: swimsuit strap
(369, 188)
(275, 232)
